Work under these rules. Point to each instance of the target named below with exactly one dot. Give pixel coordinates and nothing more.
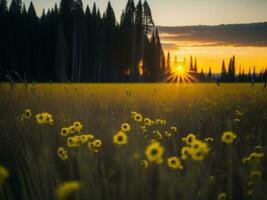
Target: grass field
(159, 116)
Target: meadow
(133, 141)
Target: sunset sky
(195, 12)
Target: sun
(180, 75)
(179, 69)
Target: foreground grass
(29, 150)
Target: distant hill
(254, 34)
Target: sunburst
(180, 75)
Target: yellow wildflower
(72, 129)
(62, 153)
(27, 114)
(120, 138)
(174, 129)
(64, 190)
(64, 131)
(209, 139)
(185, 152)
(138, 117)
(48, 118)
(147, 121)
(97, 143)
(157, 135)
(197, 154)
(144, 163)
(174, 163)
(154, 152)
(168, 133)
(40, 118)
(77, 126)
(125, 127)
(73, 141)
(86, 138)
(256, 156)
(228, 137)
(189, 138)
(160, 122)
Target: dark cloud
(236, 35)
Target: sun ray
(180, 75)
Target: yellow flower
(138, 117)
(64, 131)
(97, 143)
(86, 138)
(154, 152)
(77, 126)
(48, 118)
(4, 174)
(221, 196)
(125, 127)
(160, 122)
(197, 154)
(209, 139)
(228, 137)
(256, 156)
(40, 118)
(168, 133)
(62, 153)
(73, 141)
(174, 129)
(185, 152)
(147, 121)
(72, 129)
(120, 138)
(133, 113)
(27, 114)
(64, 190)
(255, 174)
(144, 163)
(174, 163)
(189, 138)
(157, 135)
(198, 145)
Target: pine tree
(223, 72)
(15, 7)
(3, 36)
(3, 7)
(191, 64)
(139, 37)
(148, 20)
(127, 39)
(195, 65)
(61, 55)
(210, 73)
(109, 44)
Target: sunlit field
(133, 141)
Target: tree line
(70, 43)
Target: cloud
(223, 35)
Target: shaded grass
(29, 150)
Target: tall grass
(29, 150)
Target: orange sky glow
(209, 54)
